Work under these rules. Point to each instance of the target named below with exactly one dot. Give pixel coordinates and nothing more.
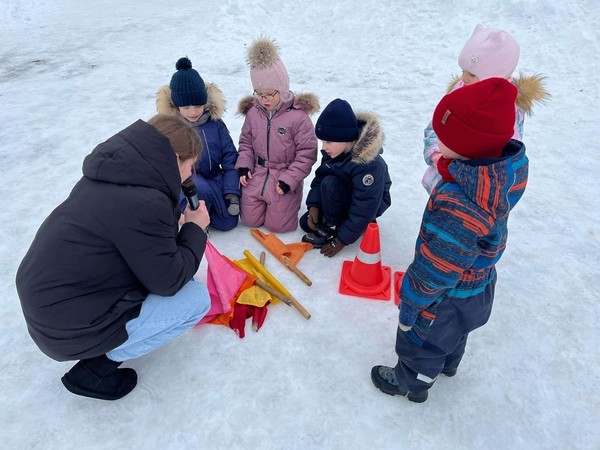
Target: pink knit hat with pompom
(490, 52)
(266, 68)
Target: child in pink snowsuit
(278, 145)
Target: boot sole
(78, 390)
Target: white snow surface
(74, 73)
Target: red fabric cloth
(241, 312)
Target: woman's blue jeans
(161, 320)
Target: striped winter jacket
(463, 233)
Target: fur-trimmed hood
(531, 90)
(308, 102)
(370, 140)
(215, 104)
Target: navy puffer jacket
(366, 176)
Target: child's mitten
(234, 204)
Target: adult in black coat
(111, 247)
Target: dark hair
(180, 133)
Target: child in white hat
(489, 52)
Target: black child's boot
(450, 372)
(384, 379)
(322, 236)
(100, 377)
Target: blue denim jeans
(161, 320)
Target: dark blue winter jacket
(216, 175)
(366, 176)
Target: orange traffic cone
(398, 276)
(366, 277)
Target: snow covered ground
(74, 73)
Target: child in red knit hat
(448, 289)
(489, 52)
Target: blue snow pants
(210, 192)
(336, 199)
(444, 345)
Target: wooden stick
(274, 292)
(290, 265)
(278, 286)
(296, 304)
(286, 261)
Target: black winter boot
(450, 372)
(99, 378)
(323, 235)
(384, 379)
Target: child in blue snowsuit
(448, 289)
(215, 175)
(351, 187)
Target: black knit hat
(337, 123)
(187, 86)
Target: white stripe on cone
(368, 258)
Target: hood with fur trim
(370, 140)
(308, 102)
(531, 90)
(215, 104)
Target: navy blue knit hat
(187, 86)
(337, 123)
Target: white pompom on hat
(266, 68)
(490, 52)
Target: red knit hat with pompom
(478, 120)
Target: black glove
(333, 248)
(284, 187)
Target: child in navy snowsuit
(448, 289)
(351, 187)
(216, 178)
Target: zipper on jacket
(262, 191)
(208, 150)
(216, 205)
